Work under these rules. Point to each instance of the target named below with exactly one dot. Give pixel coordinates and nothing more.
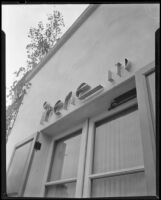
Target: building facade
(86, 127)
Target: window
(65, 163)
(65, 171)
(116, 166)
(64, 166)
(117, 154)
(115, 143)
(17, 171)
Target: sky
(16, 21)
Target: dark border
(157, 92)
(3, 117)
(3, 105)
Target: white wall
(110, 34)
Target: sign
(83, 92)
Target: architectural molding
(66, 36)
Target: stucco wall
(110, 34)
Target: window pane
(124, 185)
(66, 157)
(61, 190)
(14, 176)
(118, 143)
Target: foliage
(42, 39)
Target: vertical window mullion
(89, 160)
(82, 156)
(48, 167)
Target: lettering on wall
(70, 99)
(47, 113)
(83, 88)
(110, 76)
(58, 107)
(120, 70)
(127, 64)
(119, 66)
(83, 92)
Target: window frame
(90, 150)
(26, 172)
(81, 163)
(144, 88)
(147, 126)
(147, 133)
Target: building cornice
(80, 20)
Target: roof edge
(73, 28)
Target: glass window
(117, 150)
(64, 166)
(118, 143)
(66, 157)
(14, 176)
(65, 190)
(124, 185)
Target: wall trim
(80, 20)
